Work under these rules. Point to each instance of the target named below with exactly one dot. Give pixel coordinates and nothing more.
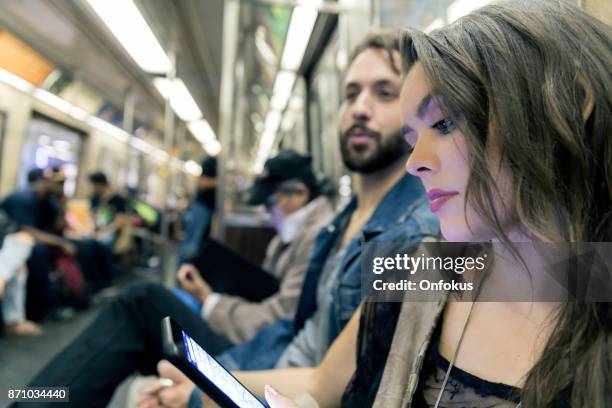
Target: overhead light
(462, 7)
(213, 147)
(273, 121)
(265, 144)
(296, 103)
(192, 167)
(181, 100)
(288, 122)
(300, 28)
(127, 24)
(283, 85)
(201, 130)
(437, 23)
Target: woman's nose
(423, 160)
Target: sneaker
(23, 328)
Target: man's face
(58, 188)
(207, 183)
(289, 197)
(45, 187)
(97, 188)
(370, 120)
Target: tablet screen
(222, 379)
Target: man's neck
(372, 188)
(40, 193)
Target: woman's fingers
(276, 400)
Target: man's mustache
(364, 129)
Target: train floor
(22, 357)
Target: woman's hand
(276, 400)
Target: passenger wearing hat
(109, 210)
(207, 182)
(289, 190)
(126, 336)
(285, 186)
(196, 220)
(34, 211)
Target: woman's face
(440, 159)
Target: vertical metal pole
(231, 27)
(179, 146)
(129, 107)
(167, 267)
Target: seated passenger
(110, 214)
(508, 147)
(15, 248)
(97, 274)
(290, 192)
(197, 219)
(389, 207)
(35, 211)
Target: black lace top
(463, 390)
(377, 325)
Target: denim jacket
(403, 216)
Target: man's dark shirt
(25, 208)
(106, 211)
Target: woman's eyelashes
(444, 126)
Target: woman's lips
(438, 197)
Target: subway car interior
(239, 165)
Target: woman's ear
(587, 105)
(589, 101)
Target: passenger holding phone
(524, 159)
(389, 207)
(126, 338)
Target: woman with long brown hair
(509, 113)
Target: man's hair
(34, 175)
(387, 41)
(98, 178)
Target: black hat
(287, 165)
(98, 178)
(209, 167)
(34, 175)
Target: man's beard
(382, 153)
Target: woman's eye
(444, 126)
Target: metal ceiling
(70, 35)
